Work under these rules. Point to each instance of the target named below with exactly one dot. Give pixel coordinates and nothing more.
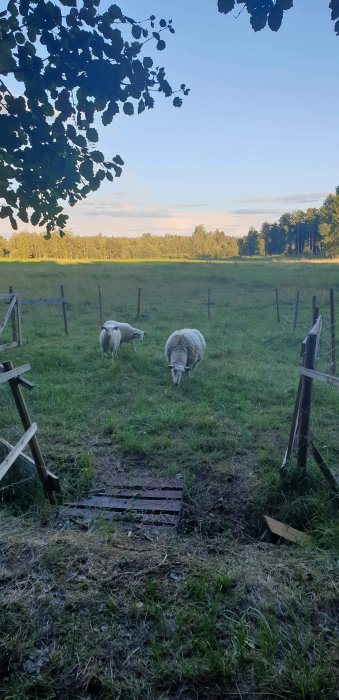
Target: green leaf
(92, 135)
(97, 156)
(177, 102)
(285, 4)
(35, 218)
(275, 18)
(128, 108)
(225, 6)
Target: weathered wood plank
(313, 374)
(136, 482)
(146, 518)
(7, 315)
(140, 493)
(6, 296)
(25, 465)
(5, 376)
(17, 449)
(20, 380)
(287, 532)
(130, 504)
(7, 346)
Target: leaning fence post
(209, 303)
(305, 403)
(100, 305)
(332, 331)
(14, 319)
(296, 311)
(64, 311)
(139, 303)
(277, 303)
(33, 443)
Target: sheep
(128, 333)
(110, 339)
(183, 350)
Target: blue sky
(258, 135)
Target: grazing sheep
(110, 339)
(128, 333)
(183, 350)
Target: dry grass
(104, 615)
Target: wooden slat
(6, 296)
(146, 518)
(140, 493)
(142, 482)
(313, 374)
(11, 457)
(7, 346)
(21, 380)
(316, 329)
(23, 461)
(51, 300)
(5, 376)
(7, 315)
(287, 532)
(130, 504)
(19, 319)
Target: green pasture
(233, 415)
(215, 610)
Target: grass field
(215, 612)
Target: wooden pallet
(146, 502)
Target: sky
(257, 136)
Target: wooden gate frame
(14, 313)
(49, 481)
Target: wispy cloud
(305, 197)
(261, 212)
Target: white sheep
(183, 350)
(110, 339)
(128, 333)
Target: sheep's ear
(103, 328)
(170, 366)
(187, 369)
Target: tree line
(314, 232)
(201, 244)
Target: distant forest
(297, 233)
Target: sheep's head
(138, 335)
(177, 372)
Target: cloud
(261, 212)
(306, 197)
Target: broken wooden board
(23, 467)
(155, 502)
(287, 532)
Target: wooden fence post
(33, 443)
(296, 311)
(209, 303)
(100, 305)
(139, 303)
(305, 402)
(333, 363)
(64, 309)
(277, 303)
(314, 305)
(14, 319)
